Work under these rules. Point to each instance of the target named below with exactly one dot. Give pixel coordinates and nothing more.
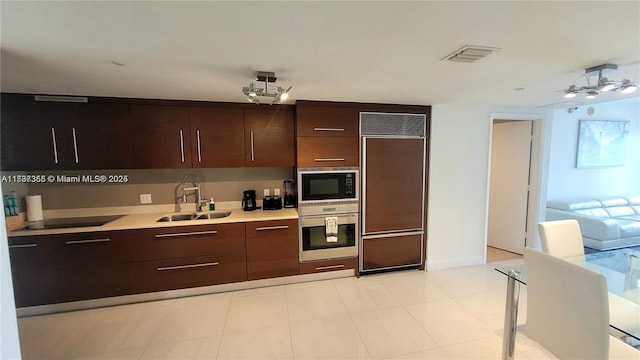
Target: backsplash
(224, 184)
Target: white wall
(566, 181)
(458, 181)
(9, 343)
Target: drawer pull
(213, 232)
(329, 267)
(281, 227)
(179, 267)
(90, 241)
(329, 159)
(22, 246)
(327, 129)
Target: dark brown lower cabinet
(272, 249)
(180, 257)
(49, 269)
(392, 251)
(181, 273)
(329, 265)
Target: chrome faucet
(195, 188)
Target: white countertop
(149, 220)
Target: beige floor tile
(192, 321)
(365, 298)
(329, 338)
(264, 343)
(310, 303)
(257, 311)
(448, 323)
(414, 290)
(173, 351)
(131, 354)
(433, 354)
(468, 280)
(209, 348)
(487, 348)
(391, 332)
(488, 307)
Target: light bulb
(628, 89)
(570, 95)
(284, 96)
(607, 87)
(591, 95)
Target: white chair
(561, 238)
(568, 310)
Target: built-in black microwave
(319, 189)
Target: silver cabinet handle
(55, 145)
(327, 129)
(330, 267)
(181, 146)
(281, 227)
(329, 159)
(252, 154)
(187, 266)
(199, 152)
(75, 144)
(22, 246)
(89, 241)
(212, 232)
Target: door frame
(538, 173)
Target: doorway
(509, 194)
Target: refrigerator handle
(363, 185)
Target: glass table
(622, 270)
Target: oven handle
(319, 220)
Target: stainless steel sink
(213, 215)
(195, 216)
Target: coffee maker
(290, 194)
(249, 200)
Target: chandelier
(603, 84)
(253, 91)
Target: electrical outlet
(145, 198)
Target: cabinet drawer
(160, 275)
(327, 121)
(393, 251)
(328, 265)
(272, 249)
(185, 241)
(328, 151)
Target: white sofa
(605, 222)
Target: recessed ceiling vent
(469, 53)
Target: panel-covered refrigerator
(393, 190)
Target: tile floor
(447, 314)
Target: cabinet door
(90, 265)
(329, 265)
(217, 137)
(327, 151)
(33, 271)
(162, 137)
(269, 137)
(37, 135)
(272, 249)
(326, 121)
(392, 251)
(393, 174)
(102, 135)
(185, 241)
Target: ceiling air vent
(469, 53)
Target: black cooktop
(61, 223)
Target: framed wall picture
(602, 143)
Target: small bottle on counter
(212, 205)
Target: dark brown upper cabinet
(163, 137)
(38, 135)
(217, 137)
(327, 134)
(269, 137)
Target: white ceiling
(361, 51)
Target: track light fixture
(253, 92)
(603, 84)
